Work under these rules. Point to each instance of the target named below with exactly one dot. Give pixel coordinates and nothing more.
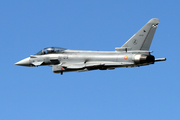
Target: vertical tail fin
(143, 38)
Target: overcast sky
(36, 93)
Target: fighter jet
(135, 52)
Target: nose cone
(24, 62)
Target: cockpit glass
(50, 50)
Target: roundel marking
(126, 57)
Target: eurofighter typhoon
(135, 52)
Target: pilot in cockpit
(50, 50)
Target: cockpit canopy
(50, 50)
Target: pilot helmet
(50, 50)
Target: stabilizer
(143, 38)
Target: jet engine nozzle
(142, 59)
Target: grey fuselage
(76, 60)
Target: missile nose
(24, 62)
